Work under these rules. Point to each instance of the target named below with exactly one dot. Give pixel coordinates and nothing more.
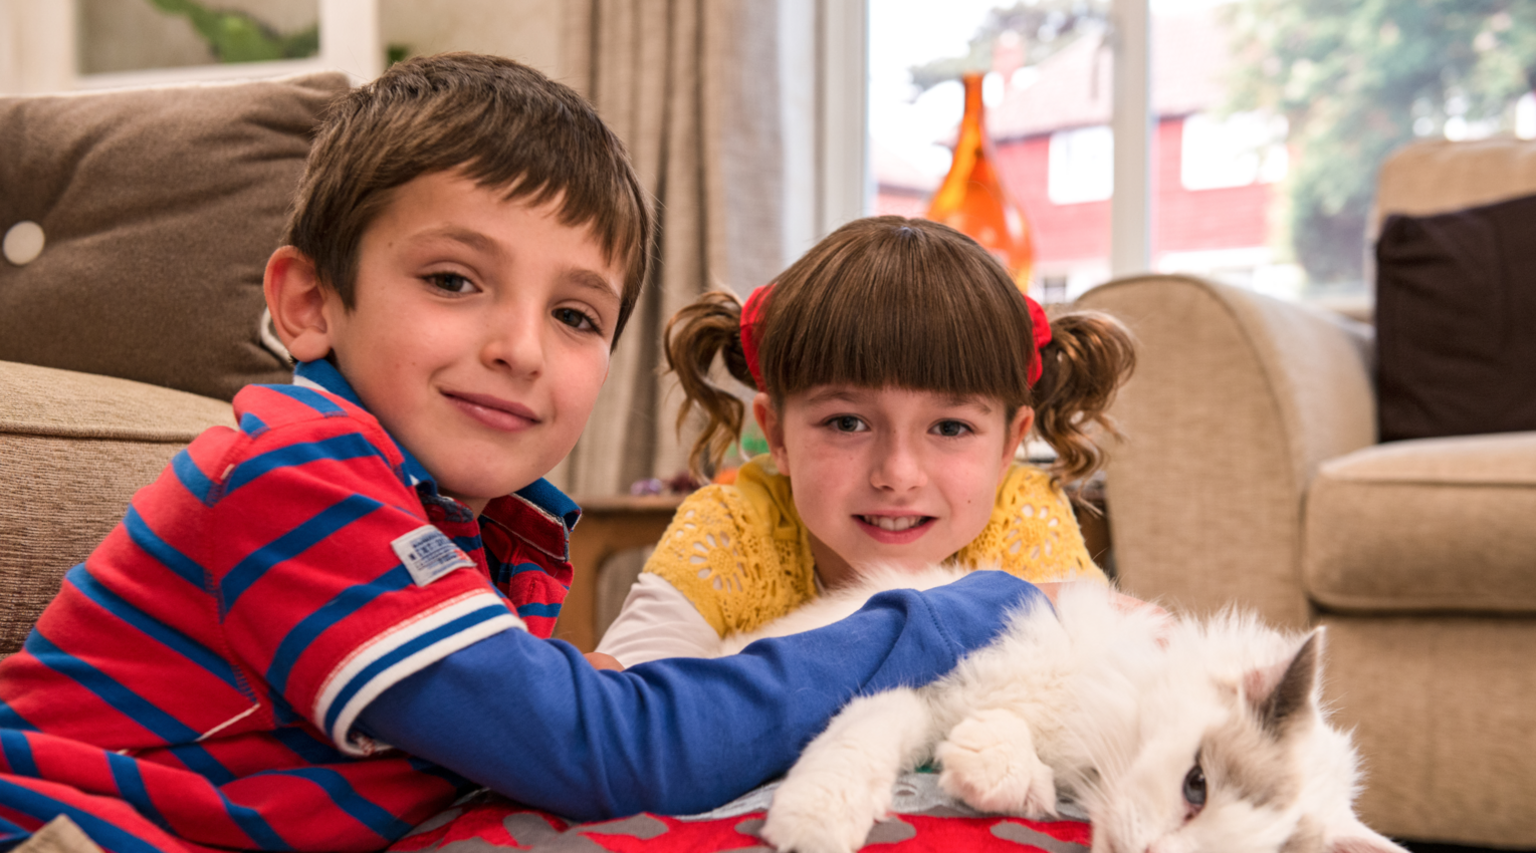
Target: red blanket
(500, 823)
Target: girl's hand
(602, 661)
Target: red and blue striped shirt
(196, 681)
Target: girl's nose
(899, 467)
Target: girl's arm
(658, 621)
(530, 719)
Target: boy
(372, 560)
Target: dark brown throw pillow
(1456, 322)
(158, 209)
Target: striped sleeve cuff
(407, 649)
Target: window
(1264, 144)
(1082, 165)
(1235, 151)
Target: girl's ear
(302, 309)
(773, 429)
(1017, 430)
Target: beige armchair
(1252, 476)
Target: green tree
(238, 37)
(1356, 79)
(1044, 27)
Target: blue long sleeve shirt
(531, 719)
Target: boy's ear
(302, 309)
(773, 429)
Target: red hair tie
(1041, 325)
(752, 317)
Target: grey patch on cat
(1240, 755)
(1243, 755)
(890, 831)
(1021, 834)
(1287, 704)
(1308, 837)
(434, 822)
(643, 827)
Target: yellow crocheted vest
(742, 556)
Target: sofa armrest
(74, 447)
(1236, 401)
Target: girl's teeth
(894, 525)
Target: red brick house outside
(1210, 211)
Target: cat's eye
(1194, 788)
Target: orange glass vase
(974, 200)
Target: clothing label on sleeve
(428, 554)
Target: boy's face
(480, 332)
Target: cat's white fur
(1113, 708)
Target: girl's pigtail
(695, 335)
(1090, 356)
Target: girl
(897, 368)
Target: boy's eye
(576, 319)
(951, 429)
(846, 423)
(451, 282)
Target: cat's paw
(989, 763)
(830, 815)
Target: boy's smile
(479, 334)
(889, 475)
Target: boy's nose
(512, 343)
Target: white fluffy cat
(1175, 735)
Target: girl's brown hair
(890, 301)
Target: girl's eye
(951, 429)
(1194, 788)
(575, 319)
(846, 423)
(451, 282)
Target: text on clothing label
(428, 554)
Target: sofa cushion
(155, 210)
(1429, 525)
(74, 448)
(1455, 302)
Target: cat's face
(1232, 765)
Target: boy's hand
(602, 661)
(1122, 602)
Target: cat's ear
(1286, 692)
(1356, 837)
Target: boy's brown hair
(909, 303)
(505, 125)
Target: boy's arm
(530, 719)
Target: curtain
(693, 89)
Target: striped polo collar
(324, 376)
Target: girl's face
(889, 475)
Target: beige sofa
(1252, 475)
(140, 318)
